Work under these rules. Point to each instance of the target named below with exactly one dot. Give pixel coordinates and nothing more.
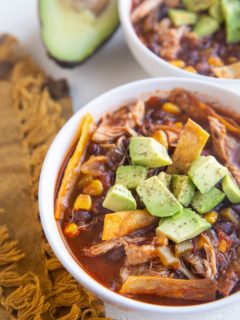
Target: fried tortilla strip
(189, 147)
(120, 224)
(231, 71)
(72, 170)
(194, 289)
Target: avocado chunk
(207, 201)
(183, 189)
(181, 17)
(206, 26)
(231, 13)
(231, 189)
(185, 225)
(119, 198)
(148, 152)
(73, 30)
(198, 5)
(157, 198)
(131, 176)
(165, 178)
(206, 172)
(216, 12)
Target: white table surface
(112, 66)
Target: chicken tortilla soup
(148, 199)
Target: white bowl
(117, 306)
(154, 65)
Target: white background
(113, 65)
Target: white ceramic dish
(154, 65)
(117, 306)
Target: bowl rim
(57, 242)
(124, 10)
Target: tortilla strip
(72, 170)
(189, 147)
(120, 224)
(194, 289)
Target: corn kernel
(178, 125)
(71, 230)
(190, 69)
(178, 63)
(161, 137)
(215, 62)
(171, 108)
(84, 180)
(94, 188)
(83, 202)
(222, 246)
(211, 217)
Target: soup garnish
(197, 36)
(148, 200)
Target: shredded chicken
(151, 268)
(94, 166)
(206, 268)
(172, 3)
(144, 9)
(224, 146)
(139, 254)
(230, 277)
(119, 123)
(196, 262)
(170, 39)
(106, 246)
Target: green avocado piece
(206, 26)
(207, 201)
(157, 198)
(231, 189)
(206, 172)
(165, 178)
(148, 152)
(119, 198)
(181, 17)
(185, 225)
(231, 13)
(183, 189)
(216, 12)
(131, 176)
(73, 30)
(198, 5)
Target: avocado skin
(73, 64)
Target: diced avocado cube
(185, 225)
(206, 172)
(157, 198)
(148, 152)
(216, 12)
(181, 17)
(165, 178)
(231, 13)
(231, 189)
(206, 26)
(119, 198)
(131, 176)
(204, 202)
(198, 5)
(183, 189)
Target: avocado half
(72, 30)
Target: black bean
(82, 217)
